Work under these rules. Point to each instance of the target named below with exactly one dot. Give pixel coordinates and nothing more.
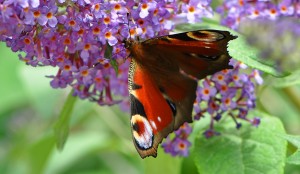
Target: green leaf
(188, 165)
(108, 54)
(249, 150)
(241, 51)
(61, 127)
(108, 51)
(290, 80)
(238, 48)
(295, 157)
(80, 145)
(114, 64)
(163, 163)
(40, 153)
(295, 140)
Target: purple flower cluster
(226, 93)
(179, 145)
(74, 36)
(229, 92)
(278, 41)
(234, 11)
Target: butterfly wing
(162, 92)
(153, 111)
(198, 53)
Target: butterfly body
(162, 83)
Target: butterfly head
(128, 43)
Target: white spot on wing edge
(143, 140)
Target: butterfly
(162, 85)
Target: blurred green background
(99, 139)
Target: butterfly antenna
(128, 25)
(135, 27)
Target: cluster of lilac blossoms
(74, 36)
(179, 144)
(226, 93)
(234, 11)
(230, 93)
(271, 26)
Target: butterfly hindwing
(162, 81)
(151, 114)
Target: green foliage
(61, 127)
(241, 51)
(163, 163)
(290, 80)
(39, 153)
(108, 55)
(295, 157)
(249, 150)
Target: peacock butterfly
(162, 83)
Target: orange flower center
(96, 31)
(155, 12)
(224, 88)
(97, 7)
(213, 105)
(85, 73)
(117, 7)
(107, 35)
(206, 91)
(27, 41)
(283, 8)
(106, 20)
(225, 71)
(141, 22)
(72, 23)
(227, 101)
(273, 11)
(144, 6)
(87, 46)
(117, 50)
(191, 9)
(98, 80)
(36, 14)
(220, 77)
(106, 65)
(181, 145)
(67, 41)
(80, 32)
(60, 59)
(53, 38)
(26, 9)
(132, 32)
(49, 15)
(241, 2)
(67, 67)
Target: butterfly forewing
(162, 81)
